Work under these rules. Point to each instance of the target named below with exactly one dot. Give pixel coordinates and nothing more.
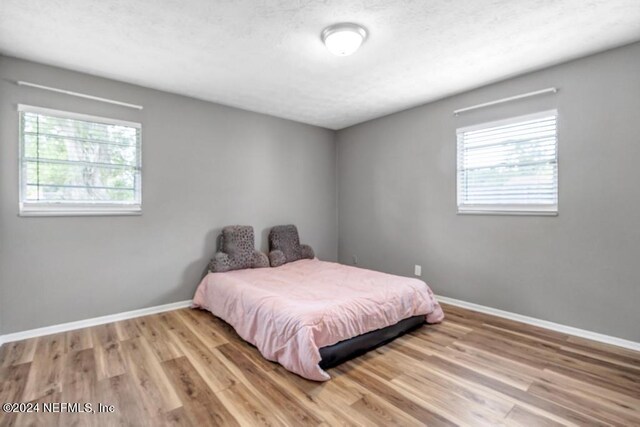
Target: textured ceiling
(266, 55)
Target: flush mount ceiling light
(343, 39)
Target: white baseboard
(48, 330)
(63, 327)
(570, 330)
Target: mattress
(290, 312)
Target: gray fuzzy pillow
(237, 250)
(284, 246)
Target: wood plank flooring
(187, 368)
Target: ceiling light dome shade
(343, 39)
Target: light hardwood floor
(188, 368)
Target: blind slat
(510, 136)
(515, 165)
(79, 163)
(530, 143)
(519, 124)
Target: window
(509, 167)
(74, 164)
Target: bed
(309, 315)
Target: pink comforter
(290, 312)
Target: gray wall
(396, 193)
(397, 200)
(204, 166)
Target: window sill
(508, 212)
(40, 212)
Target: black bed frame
(336, 354)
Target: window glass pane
(57, 175)
(78, 161)
(512, 164)
(64, 148)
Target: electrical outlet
(354, 259)
(417, 270)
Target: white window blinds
(77, 164)
(509, 166)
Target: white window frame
(508, 209)
(66, 208)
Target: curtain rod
(511, 98)
(80, 95)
